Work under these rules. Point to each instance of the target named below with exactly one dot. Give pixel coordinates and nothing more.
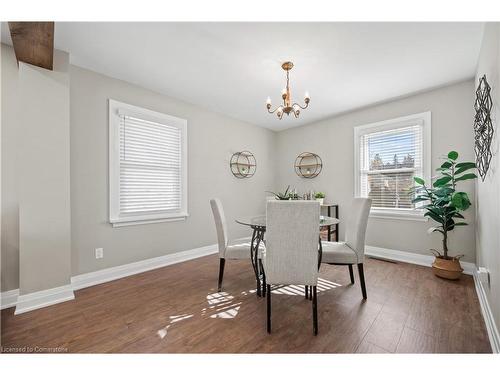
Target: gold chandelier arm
(298, 105)
(275, 109)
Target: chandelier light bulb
(268, 101)
(306, 95)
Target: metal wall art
(308, 165)
(243, 164)
(483, 127)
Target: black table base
(257, 238)
(260, 276)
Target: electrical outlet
(99, 253)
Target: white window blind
(148, 174)
(150, 166)
(389, 156)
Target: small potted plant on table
(320, 197)
(444, 204)
(285, 196)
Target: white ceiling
(231, 68)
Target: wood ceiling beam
(33, 42)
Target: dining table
(258, 225)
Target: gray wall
(332, 139)
(212, 139)
(37, 178)
(488, 192)
(10, 201)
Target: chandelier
(287, 106)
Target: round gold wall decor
(308, 165)
(243, 164)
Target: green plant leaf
(445, 165)
(434, 216)
(453, 155)
(419, 181)
(460, 200)
(466, 164)
(457, 225)
(419, 199)
(443, 191)
(442, 181)
(467, 176)
(434, 229)
(464, 167)
(442, 201)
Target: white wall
(488, 192)
(10, 201)
(332, 140)
(44, 184)
(212, 139)
(36, 181)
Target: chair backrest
(292, 239)
(356, 226)
(220, 225)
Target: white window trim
(116, 109)
(389, 213)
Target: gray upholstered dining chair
(235, 249)
(291, 255)
(352, 251)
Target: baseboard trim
(413, 258)
(109, 274)
(489, 320)
(8, 298)
(43, 298)
(32, 301)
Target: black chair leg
(221, 273)
(268, 292)
(306, 291)
(351, 273)
(315, 309)
(264, 288)
(362, 279)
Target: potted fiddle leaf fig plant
(443, 203)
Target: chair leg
(264, 288)
(268, 292)
(351, 273)
(311, 293)
(315, 309)
(362, 279)
(221, 273)
(306, 291)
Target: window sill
(124, 222)
(398, 215)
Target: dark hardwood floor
(177, 309)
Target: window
(388, 155)
(147, 166)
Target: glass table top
(260, 221)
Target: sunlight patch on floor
(228, 313)
(222, 303)
(298, 290)
(173, 319)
